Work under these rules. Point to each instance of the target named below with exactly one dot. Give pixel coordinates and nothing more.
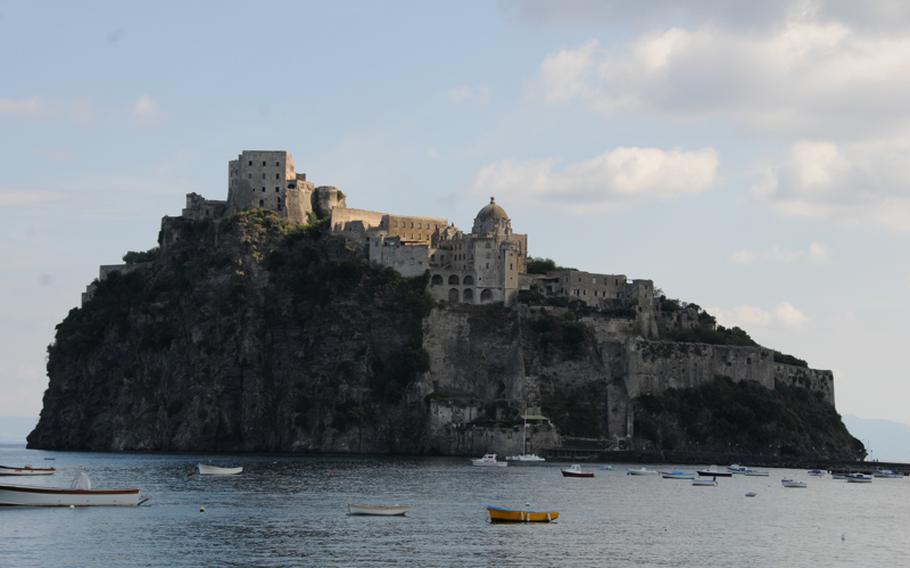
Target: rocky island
(282, 320)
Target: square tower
(260, 179)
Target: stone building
(595, 290)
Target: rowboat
(714, 472)
(677, 475)
(793, 483)
(205, 469)
(575, 470)
(79, 494)
(488, 460)
(704, 482)
(503, 515)
(378, 510)
(26, 470)
(640, 471)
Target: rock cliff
(246, 334)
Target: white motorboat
(79, 494)
(26, 470)
(887, 474)
(206, 469)
(640, 471)
(704, 482)
(793, 483)
(488, 460)
(526, 459)
(859, 478)
(817, 472)
(378, 510)
(736, 468)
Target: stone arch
(436, 280)
(486, 296)
(468, 280)
(453, 280)
(468, 295)
(453, 295)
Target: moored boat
(793, 483)
(206, 469)
(26, 470)
(575, 470)
(704, 482)
(736, 468)
(858, 478)
(79, 494)
(488, 460)
(755, 473)
(640, 471)
(714, 472)
(504, 515)
(677, 475)
(887, 474)
(817, 472)
(525, 459)
(378, 510)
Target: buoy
(72, 506)
(201, 508)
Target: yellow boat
(503, 515)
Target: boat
(817, 472)
(887, 474)
(575, 470)
(755, 473)
(840, 475)
(751, 494)
(793, 483)
(640, 471)
(736, 468)
(504, 515)
(714, 472)
(206, 469)
(859, 478)
(488, 460)
(79, 494)
(26, 470)
(677, 475)
(606, 467)
(524, 457)
(704, 482)
(378, 510)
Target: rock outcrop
(247, 335)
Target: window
(277, 190)
(261, 203)
(263, 163)
(263, 190)
(277, 164)
(279, 204)
(277, 176)
(251, 162)
(249, 176)
(263, 175)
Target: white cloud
(23, 107)
(862, 182)
(25, 198)
(815, 253)
(795, 77)
(470, 94)
(146, 109)
(784, 315)
(615, 178)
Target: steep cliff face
(246, 335)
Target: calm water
(291, 511)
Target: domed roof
(492, 212)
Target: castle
(486, 265)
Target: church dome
(490, 217)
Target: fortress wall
(413, 229)
(409, 261)
(815, 380)
(342, 217)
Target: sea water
(292, 511)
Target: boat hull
(500, 515)
(566, 473)
(30, 496)
(711, 473)
(704, 483)
(205, 469)
(367, 510)
(20, 471)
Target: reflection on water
(292, 511)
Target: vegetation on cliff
(743, 417)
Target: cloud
(858, 183)
(784, 315)
(26, 198)
(611, 180)
(815, 253)
(146, 109)
(798, 76)
(79, 110)
(23, 107)
(470, 94)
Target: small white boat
(378, 510)
(817, 472)
(26, 470)
(575, 470)
(736, 468)
(754, 473)
(79, 494)
(526, 459)
(887, 474)
(714, 472)
(704, 482)
(793, 483)
(677, 475)
(488, 460)
(859, 478)
(640, 471)
(206, 469)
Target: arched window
(453, 280)
(468, 280)
(486, 296)
(436, 280)
(469, 295)
(453, 296)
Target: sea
(292, 511)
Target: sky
(749, 157)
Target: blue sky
(749, 158)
